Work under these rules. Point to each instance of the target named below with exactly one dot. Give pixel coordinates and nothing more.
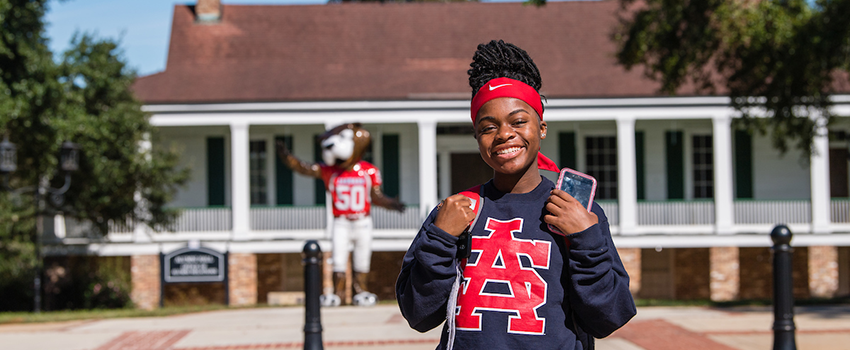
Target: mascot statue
(354, 186)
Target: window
(703, 162)
(601, 160)
(259, 181)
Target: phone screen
(581, 186)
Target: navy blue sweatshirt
(520, 287)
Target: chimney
(208, 11)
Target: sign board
(194, 265)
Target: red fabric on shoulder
(474, 193)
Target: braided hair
(498, 59)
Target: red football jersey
(351, 190)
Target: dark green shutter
(215, 171)
(567, 150)
(391, 169)
(319, 187)
(283, 175)
(743, 164)
(639, 166)
(675, 145)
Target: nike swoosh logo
(497, 86)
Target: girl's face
(509, 131)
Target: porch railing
(612, 211)
(652, 213)
(204, 219)
(288, 218)
(649, 213)
(773, 211)
(314, 218)
(840, 210)
(388, 220)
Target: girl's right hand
(454, 214)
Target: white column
(240, 189)
(59, 229)
(724, 211)
(820, 182)
(445, 174)
(141, 231)
(427, 166)
(627, 174)
(329, 211)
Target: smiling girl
(522, 286)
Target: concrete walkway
(382, 327)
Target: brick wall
(691, 266)
(385, 269)
(757, 273)
(282, 272)
(631, 261)
(724, 273)
(145, 281)
(656, 270)
(242, 273)
(823, 271)
(208, 7)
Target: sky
(142, 27)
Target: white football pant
(358, 231)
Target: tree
(84, 98)
(778, 61)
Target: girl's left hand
(567, 214)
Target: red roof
(391, 51)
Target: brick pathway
(662, 335)
(382, 328)
(299, 345)
(153, 340)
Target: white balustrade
(840, 210)
(612, 211)
(773, 211)
(288, 218)
(675, 213)
(650, 213)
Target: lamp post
(69, 160)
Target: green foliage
(84, 98)
(777, 60)
(88, 283)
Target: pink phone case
(581, 186)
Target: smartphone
(579, 185)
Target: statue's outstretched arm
(297, 165)
(381, 200)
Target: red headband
(507, 87)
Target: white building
(690, 199)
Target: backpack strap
(474, 194)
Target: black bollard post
(783, 297)
(312, 254)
